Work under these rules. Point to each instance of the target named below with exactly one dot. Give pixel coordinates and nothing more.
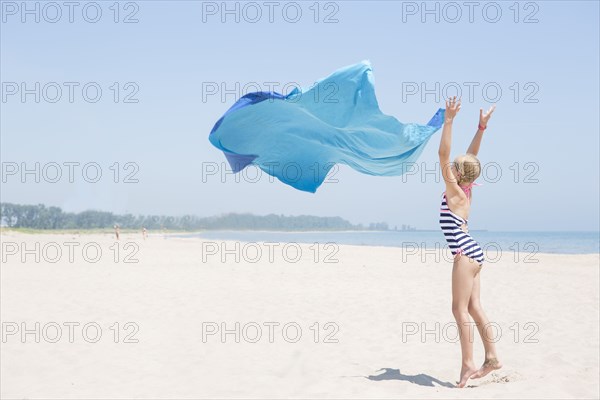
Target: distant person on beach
(117, 231)
(144, 233)
(459, 177)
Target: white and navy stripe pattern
(459, 241)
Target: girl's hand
(452, 108)
(485, 117)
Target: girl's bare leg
(491, 358)
(463, 274)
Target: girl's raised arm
(452, 108)
(483, 121)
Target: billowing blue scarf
(300, 136)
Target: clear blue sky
(546, 126)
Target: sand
(307, 328)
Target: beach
(84, 316)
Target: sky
(109, 105)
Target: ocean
(523, 242)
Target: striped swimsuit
(459, 241)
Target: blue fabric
(299, 137)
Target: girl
(459, 177)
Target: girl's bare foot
(465, 373)
(491, 364)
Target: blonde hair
(468, 168)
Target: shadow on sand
(420, 379)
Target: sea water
(524, 242)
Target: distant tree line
(42, 217)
